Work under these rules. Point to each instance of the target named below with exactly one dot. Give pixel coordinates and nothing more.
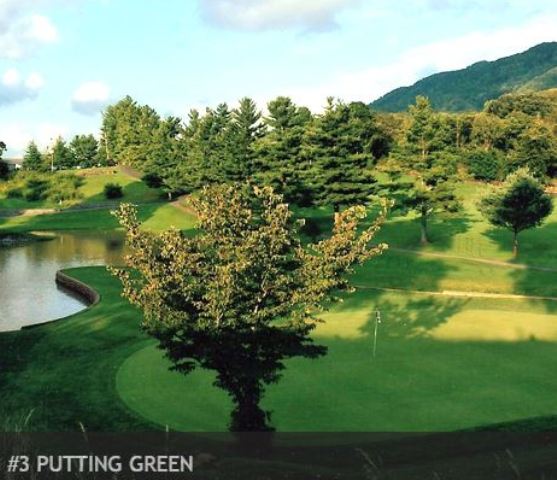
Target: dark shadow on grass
(413, 319)
(537, 246)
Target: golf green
(441, 363)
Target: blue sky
(62, 61)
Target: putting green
(441, 364)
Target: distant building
(14, 163)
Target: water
(28, 291)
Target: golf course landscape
(467, 337)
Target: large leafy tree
(242, 295)
(85, 150)
(519, 205)
(536, 149)
(33, 159)
(128, 131)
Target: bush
(36, 189)
(65, 188)
(15, 192)
(113, 190)
(486, 166)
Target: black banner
(343, 456)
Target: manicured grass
(441, 364)
(157, 216)
(91, 192)
(64, 372)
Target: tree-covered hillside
(470, 88)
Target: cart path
(456, 293)
(485, 261)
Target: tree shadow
(538, 250)
(402, 232)
(413, 319)
(537, 246)
(402, 270)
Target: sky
(63, 61)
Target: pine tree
(341, 156)
(279, 162)
(246, 128)
(62, 157)
(33, 159)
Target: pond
(28, 291)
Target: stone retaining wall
(80, 288)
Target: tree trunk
(515, 244)
(249, 417)
(423, 227)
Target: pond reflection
(28, 292)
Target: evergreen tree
(246, 129)
(33, 159)
(520, 205)
(62, 157)
(340, 155)
(279, 162)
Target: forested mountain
(470, 88)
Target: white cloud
(309, 15)
(18, 135)
(22, 30)
(451, 54)
(13, 88)
(90, 97)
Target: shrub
(65, 188)
(36, 188)
(15, 192)
(113, 190)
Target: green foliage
(85, 151)
(485, 165)
(339, 147)
(520, 205)
(112, 191)
(278, 162)
(61, 155)
(531, 104)
(470, 88)
(33, 159)
(35, 187)
(243, 295)
(535, 149)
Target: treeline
(331, 158)
(311, 159)
(81, 152)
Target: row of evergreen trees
(82, 151)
